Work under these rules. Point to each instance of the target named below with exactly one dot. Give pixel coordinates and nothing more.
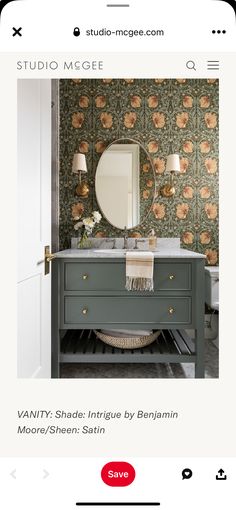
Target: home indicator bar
(119, 504)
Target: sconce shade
(79, 163)
(173, 163)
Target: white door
(34, 227)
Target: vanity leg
(200, 353)
(200, 310)
(55, 356)
(55, 333)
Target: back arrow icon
(13, 474)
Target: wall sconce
(172, 166)
(79, 166)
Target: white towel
(128, 333)
(139, 270)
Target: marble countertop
(166, 248)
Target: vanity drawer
(172, 276)
(126, 310)
(105, 276)
(101, 276)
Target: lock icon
(76, 32)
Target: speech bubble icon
(187, 474)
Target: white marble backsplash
(163, 243)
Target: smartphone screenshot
(117, 136)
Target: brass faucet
(125, 238)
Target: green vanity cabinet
(89, 294)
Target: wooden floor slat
(78, 340)
(170, 347)
(89, 342)
(86, 343)
(182, 345)
(174, 346)
(108, 349)
(189, 341)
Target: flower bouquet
(85, 227)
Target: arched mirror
(125, 183)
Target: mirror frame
(117, 140)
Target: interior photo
(118, 209)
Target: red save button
(118, 474)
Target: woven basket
(127, 343)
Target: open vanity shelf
(83, 346)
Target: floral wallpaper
(166, 116)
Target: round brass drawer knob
(85, 276)
(171, 277)
(85, 311)
(171, 310)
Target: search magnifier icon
(191, 65)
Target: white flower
(97, 216)
(89, 229)
(78, 225)
(88, 222)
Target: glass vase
(84, 243)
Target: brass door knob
(50, 257)
(171, 277)
(85, 276)
(171, 310)
(85, 311)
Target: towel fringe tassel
(139, 283)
